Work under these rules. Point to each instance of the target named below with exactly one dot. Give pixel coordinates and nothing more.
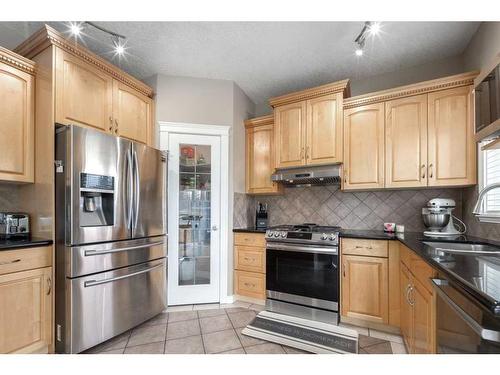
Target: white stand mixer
(439, 219)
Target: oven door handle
(303, 249)
(486, 334)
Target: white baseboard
(227, 299)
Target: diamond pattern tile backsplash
(328, 205)
(474, 227)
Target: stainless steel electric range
(302, 276)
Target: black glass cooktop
(307, 227)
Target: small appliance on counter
(439, 219)
(14, 225)
(261, 218)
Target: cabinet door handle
(116, 126)
(110, 123)
(408, 291)
(431, 171)
(10, 262)
(307, 152)
(302, 153)
(423, 170)
(345, 176)
(49, 285)
(343, 270)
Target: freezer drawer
(104, 305)
(87, 259)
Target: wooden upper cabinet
(365, 289)
(260, 156)
(406, 142)
(324, 129)
(131, 113)
(452, 153)
(364, 147)
(26, 311)
(290, 126)
(17, 107)
(84, 93)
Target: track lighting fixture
(118, 41)
(371, 28)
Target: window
(490, 173)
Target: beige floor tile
(147, 335)
(234, 351)
(222, 341)
(360, 330)
(382, 348)
(158, 319)
(235, 309)
(398, 348)
(179, 316)
(257, 308)
(153, 348)
(242, 318)
(244, 304)
(186, 345)
(368, 341)
(209, 313)
(179, 308)
(113, 351)
(247, 340)
(182, 329)
(215, 324)
(206, 306)
(268, 348)
(290, 350)
(386, 336)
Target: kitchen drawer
(423, 273)
(250, 284)
(249, 258)
(25, 259)
(250, 239)
(371, 248)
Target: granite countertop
(249, 230)
(17, 243)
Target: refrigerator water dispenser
(96, 200)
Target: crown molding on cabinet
(48, 36)
(463, 79)
(16, 61)
(330, 88)
(259, 121)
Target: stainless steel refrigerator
(111, 246)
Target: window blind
(492, 175)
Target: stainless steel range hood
(307, 176)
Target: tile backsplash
(328, 205)
(9, 197)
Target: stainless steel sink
(466, 248)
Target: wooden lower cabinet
(365, 288)
(26, 311)
(250, 265)
(418, 307)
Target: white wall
(483, 47)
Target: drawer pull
(10, 262)
(248, 259)
(364, 247)
(249, 285)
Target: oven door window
(303, 274)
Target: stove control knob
(276, 234)
(333, 237)
(324, 236)
(283, 234)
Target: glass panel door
(194, 212)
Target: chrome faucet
(477, 208)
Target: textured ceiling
(267, 58)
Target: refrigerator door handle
(137, 194)
(130, 187)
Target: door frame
(222, 131)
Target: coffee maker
(261, 219)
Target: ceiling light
(75, 28)
(358, 52)
(119, 47)
(374, 28)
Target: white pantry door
(193, 218)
